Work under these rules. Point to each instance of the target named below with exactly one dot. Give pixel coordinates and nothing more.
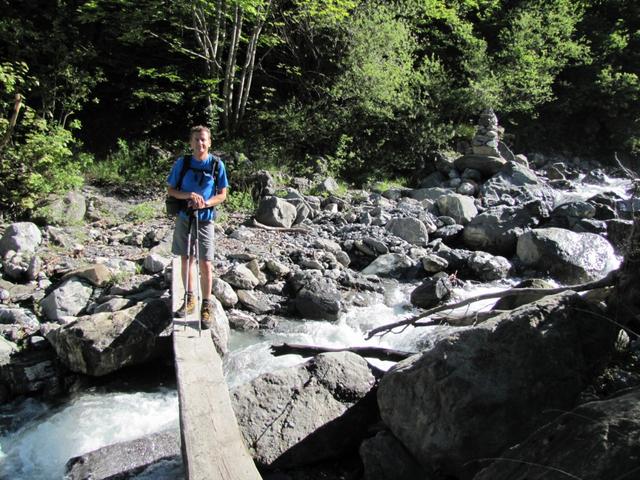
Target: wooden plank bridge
(212, 445)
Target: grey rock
(220, 329)
(224, 293)
(489, 267)
(384, 458)
(319, 300)
(105, 342)
(255, 301)
(243, 321)
(29, 372)
(619, 232)
(497, 229)
(568, 256)
(460, 207)
(69, 299)
(21, 237)
(518, 183)
(328, 185)
(486, 163)
(433, 263)
(432, 193)
(155, 263)
(19, 317)
(276, 268)
(240, 276)
(308, 413)
(69, 209)
(389, 265)
(276, 212)
(432, 291)
(256, 269)
(409, 229)
(482, 389)
(118, 459)
(112, 305)
(596, 440)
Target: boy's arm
(217, 199)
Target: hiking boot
(206, 314)
(188, 306)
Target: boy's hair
(198, 129)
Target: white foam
(40, 448)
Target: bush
(135, 163)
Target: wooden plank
(211, 440)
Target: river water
(37, 438)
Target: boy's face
(200, 143)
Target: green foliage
(384, 185)
(239, 202)
(143, 212)
(378, 69)
(36, 157)
(538, 43)
(131, 164)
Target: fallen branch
(473, 319)
(256, 224)
(630, 173)
(311, 350)
(603, 282)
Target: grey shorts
(205, 238)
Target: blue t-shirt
(198, 178)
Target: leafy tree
(538, 42)
(35, 155)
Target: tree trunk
(229, 75)
(17, 104)
(312, 350)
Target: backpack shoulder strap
(186, 164)
(215, 168)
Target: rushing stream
(37, 438)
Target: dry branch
(609, 280)
(310, 350)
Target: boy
(202, 193)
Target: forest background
(106, 90)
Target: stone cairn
(485, 156)
(487, 137)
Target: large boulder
(68, 299)
(22, 237)
(105, 342)
(597, 440)
(432, 291)
(496, 230)
(487, 165)
(390, 265)
(461, 208)
(124, 459)
(516, 184)
(29, 371)
(384, 458)
(276, 212)
(68, 209)
(409, 229)
(240, 276)
(488, 267)
(319, 300)
(484, 388)
(307, 413)
(567, 256)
